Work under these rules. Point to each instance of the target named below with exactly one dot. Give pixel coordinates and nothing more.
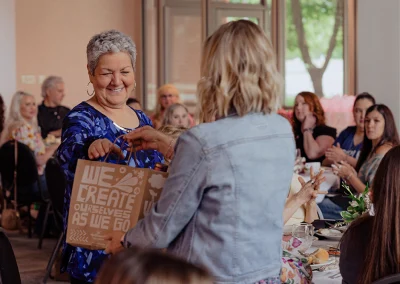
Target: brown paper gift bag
(109, 197)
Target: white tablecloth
(331, 181)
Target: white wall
(378, 51)
(8, 73)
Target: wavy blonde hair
(240, 73)
(167, 88)
(14, 118)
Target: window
(173, 34)
(314, 57)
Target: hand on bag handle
(120, 154)
(101, 147)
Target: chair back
(27, 173)
(9, 272)
(56, 184)
(391, 279)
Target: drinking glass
(305, 234)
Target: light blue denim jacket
(222, 204)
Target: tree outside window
(314, 48)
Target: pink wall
(51, 38)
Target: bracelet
(308, 129)
(170, 150)
(348, 177)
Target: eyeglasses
(166, 96)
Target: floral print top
(30, 136)
(83, 125)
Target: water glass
(305, 234)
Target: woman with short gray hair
(91, 127)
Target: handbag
(10, 219)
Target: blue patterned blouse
(83, 125)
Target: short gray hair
(106, 42)
(50, 82)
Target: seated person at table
(347, 146)
(312, 136)
(305, 209)
(380, 136)
(134, 103)
(370, 247)
(21, 125)
(150, 266)
(51, 113)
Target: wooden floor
(32, 262)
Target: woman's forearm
(291, 206)
(356, 183)
(312, 149)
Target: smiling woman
(91, 127)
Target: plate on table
(330, 234)
(316, 266)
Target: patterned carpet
(32, 262)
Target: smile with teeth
(116, 90)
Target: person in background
(177, 115)
(51, 113)
(21, 125)
(148, 266)
(348, 144)
(166, 95)
(312, 136)
(369, 248)
(91, 127)
(380, 136)
(134, 103)
(221, 177)
(347, 148)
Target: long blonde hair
(15, 118)
(239, 72)
(169, 112)
(159, 108)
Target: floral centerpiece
(359, 204)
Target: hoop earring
(134, 88)
(87, 92)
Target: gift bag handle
(132, 151)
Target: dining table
(329, 274)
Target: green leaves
(358, 204)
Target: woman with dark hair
(369, 248)
(380, 136)
(347, 148)
(348, 144)
(312, 136)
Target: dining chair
(56, 183)
(27, 176)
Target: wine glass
(305, 234)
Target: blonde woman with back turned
(222, 203)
